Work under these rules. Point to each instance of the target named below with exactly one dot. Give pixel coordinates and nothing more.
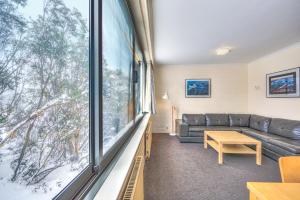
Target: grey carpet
(187, 171)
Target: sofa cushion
(196, 128)
(259, 123)
(239, 120)
(286, 143)
(217, 120)
(222, 128)
(258, 134)
(286, 128)
(196, 134)
(194, 119)
(212, 128)
(276, 149)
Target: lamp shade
(165, 96)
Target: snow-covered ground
(47, 189)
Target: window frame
(82, 184)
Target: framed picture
(197, 88)
(284, 83)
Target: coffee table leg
(220, 153)
(205, 140)
(258, 154)
(252, 196)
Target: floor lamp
(166, 97)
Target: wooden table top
(275, 191)
(231, 137)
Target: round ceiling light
(223, 51)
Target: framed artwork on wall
(197, 88)
(283, 84)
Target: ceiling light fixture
(223, 51)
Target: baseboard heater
(135, 186)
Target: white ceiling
(189, 31)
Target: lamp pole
(166, 97)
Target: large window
(119, 64)
(44, 96)
(69, 99)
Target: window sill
(113, 184)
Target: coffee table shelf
(232, 148)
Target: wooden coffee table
(232, 142)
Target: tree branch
(34, 115)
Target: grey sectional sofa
(279, 137)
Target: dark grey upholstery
(196, 134)
(196, 131)
(194, 119)
(222, 128)
(259, 123)
(279, 137)
(217, 120)
(285, 143)
(259, 134)
(196, 128)
(239, 120)
(182, 128)
(276, 150)
(285, 128)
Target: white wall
(288, 108)
(228, 92)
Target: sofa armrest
(182, 129)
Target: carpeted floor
(187, 171)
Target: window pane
(44, 96)
(137, 91)
(117, 71)
(138, 86)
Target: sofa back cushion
(194, 119)
(285, 128)
(260, 123)
(217, 120)
(239, 120)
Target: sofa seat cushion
(212, 128)
(259, 123)
(194, 119)
(286, 143)
(276, 149)
(196, 128)
(222, 128)
(286, 128)
(196, 134)
(239, 120)
(258, 134)
(217, 120)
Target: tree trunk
(26, 142)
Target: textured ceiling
(189, 31)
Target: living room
(239, 94)
(149, 99)
(235, 89)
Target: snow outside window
(44, 96)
